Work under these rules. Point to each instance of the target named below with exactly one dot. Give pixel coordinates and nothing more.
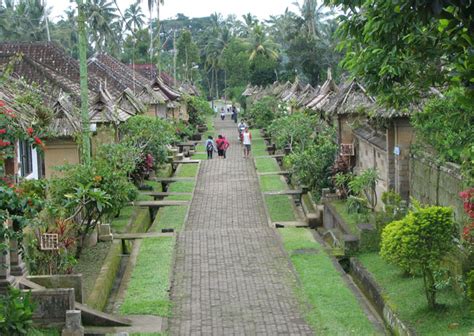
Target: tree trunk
(86, 145)
(430, 290)
(158, 28)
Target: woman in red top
(222, 144)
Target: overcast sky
(196, 8)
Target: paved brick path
(231, 276)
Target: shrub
(419, 242)
(150, 135)
(295, 130)
(312, 166)
(262, 113)
(363, 185)
(198, 108)
(470, 286)
(16, 312)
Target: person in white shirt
(247, 142)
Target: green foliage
(364, 185)
(188, 55)
(356, 205)
(150, 135)
(16, 312)
(312, 166)
(263, 112)
(263, 70)
(470, 286)
(401, 48)
(198, 108)
(295, 130)
(419, 242)
(447, 124)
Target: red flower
(2, 103)
(38, 141)
(3, 131)
(30, 131)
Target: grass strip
(272, 183)
(334, 308)
(259, 147)
(199, 156)
(187, 170)
(147, 292)
(405, 295)
(266, 165)
(280, 208)
(182, 186)
(170, 218)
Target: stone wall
(435, 184)
(61, 281)
(51, 305)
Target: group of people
(221, 145)
(230, 109)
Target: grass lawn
(200, 156)
(170, 218)
(182, 186)
(90, 264)
(119, 223)
(280, 208)
(259, 148)
(266, 165)
(272, 183)
(352, 220)
(187, 170)
(334, 309)
(406, 296)
(147, 292)
(44, 332)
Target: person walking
(225, 146)
(210, 147)
(234, 114)
(247, 142)
(220, 144)
(241, 128)
(222, 113)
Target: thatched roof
(67, 119)
(151, 96)
(48, 65)
(323, 97)
(249, 90)
(352, 98)
(168, 91)
(293, 92)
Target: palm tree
(134, 17)
(314, 16)
(100, 16)
(260, 43)
(23, 21)
(249, 22)
(151, 6)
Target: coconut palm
(314, 15)
(100, 16)
(151, 5)
(134, 17)
(260, 43)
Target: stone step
(132, 236)
(159, 204)
(280, 172)
(290, 224)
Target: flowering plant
(11, 131)
(468, 198)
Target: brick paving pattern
(231, 276)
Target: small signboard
(49, 242)
(396, 150)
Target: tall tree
(100, 15)
(188, 55)
(134, 16)
(151, 5)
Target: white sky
(195, 8)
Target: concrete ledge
(52, 305)
(99, 295)
(375, 293)
(60, 281)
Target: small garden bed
(405, 295)
(280, 208)
(334, 310)
(272, 183)
(351, 219)
(265, 165)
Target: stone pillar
(17, 265)
(6, 279)
(73, 325)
